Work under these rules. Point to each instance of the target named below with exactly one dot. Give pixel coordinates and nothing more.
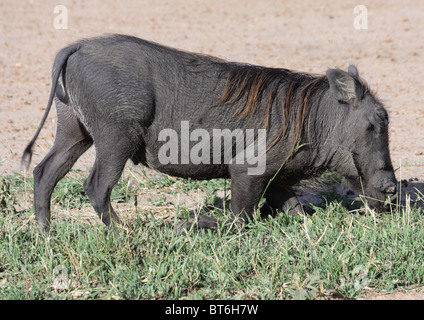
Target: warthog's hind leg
(112, 153)
(71, 141)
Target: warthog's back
(134, 82)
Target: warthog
(122, 93)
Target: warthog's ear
(353, 71)
(342, 85)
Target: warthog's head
(360, 137)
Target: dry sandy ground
(301, 35)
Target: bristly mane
(251, 85)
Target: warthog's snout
(390, 189)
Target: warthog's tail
(59, 63)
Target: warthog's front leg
(283, 199)
(246, 192)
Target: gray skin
(119, 92)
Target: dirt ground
(303, 35)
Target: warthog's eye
(370, 127)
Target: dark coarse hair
(298, 92)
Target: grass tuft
(331, 253)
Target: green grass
(332, 253)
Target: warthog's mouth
(381, 200)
